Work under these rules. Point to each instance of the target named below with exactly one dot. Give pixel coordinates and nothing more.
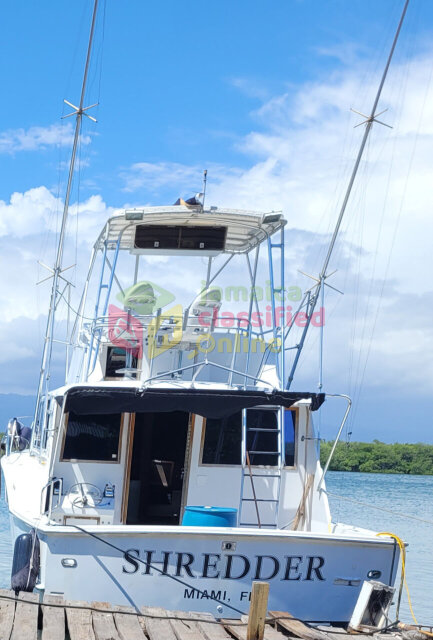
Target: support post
(258, 610)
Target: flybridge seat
(202, 315)
(140, 298)
(188, 230)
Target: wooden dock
(24, 617)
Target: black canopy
(210, 403)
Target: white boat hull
(315, 577)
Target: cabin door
(158, 459)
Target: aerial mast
(57, 270)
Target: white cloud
(37, 138)
(29, 223)
(250, 87)
(28, 213)
(155, 176)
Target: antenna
(204, 189)
(57, 270)
(322, 277)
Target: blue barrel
(209, 517)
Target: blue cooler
(210, 517)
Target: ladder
(260, 489)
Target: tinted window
(222, 441)
(289, 438)
(91, 437)
(262, 436)
(178, 237)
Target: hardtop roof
(245, 229)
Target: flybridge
(148, 340)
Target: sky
(259, 94)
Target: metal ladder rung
(259, 500)
(270, 453)
(261, 475)
(254, 524)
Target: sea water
(399, 494)
(376, 495)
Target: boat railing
(148, 335)
(198, 367)
(340, 431)
(193, 324)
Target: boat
(176, 464)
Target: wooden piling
(258, 609)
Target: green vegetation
(378, 457)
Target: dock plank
(53, 618)
(79, 621)
(26, 617)
(340, 633)
(297, 628)
(104, 627)
(240, 632)
(102, 621)
(156, 627)
(211, 631)
(7, 613)
(185, 629)
(127, 625)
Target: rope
(403, 573)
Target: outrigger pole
(57, 270)
(321, 280)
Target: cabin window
(289, 437)
(262, 436)
(93, 437)
(222, 440)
